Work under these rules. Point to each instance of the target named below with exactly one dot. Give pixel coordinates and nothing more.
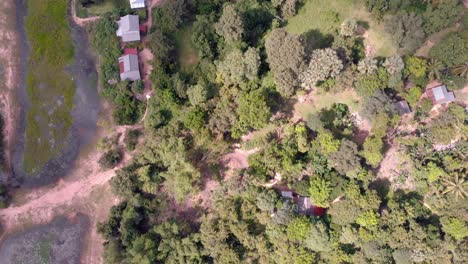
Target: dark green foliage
(204, 37)
(195, 119)
(452, 49)
(231, 24)
(137, 86)
(346, 160)
(447, 125)
(406, 31)
(438, 17)
(168, 16)
(110, 159)
(131, 138)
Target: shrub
(131, 138)
(110, 159)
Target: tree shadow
(382, 187)
(314, 39)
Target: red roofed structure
(132, 51)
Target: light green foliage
(368, 219)
(344, 212)
(455, 227)
(318, 239)
(452, 49)
(348, 28)
(197, 94)
(237, 67)
(372, 150)
(406, 30)
(416, 66)
(326, 143)
(299, 228)
(412, 96)
(324, 63)
(320, 190)
(447, 126)
(143, 250)
(433, 172)
(286, 57)
(253, 112)
(266, 200)
(195, 118)
(301, 135)
(366, 85)
(367, 66)
(231, 24)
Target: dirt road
(9, 71)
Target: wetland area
(54, 104)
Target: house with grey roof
(134, 4)
(402, 107)
(440, 95)
(129, 28)
(129, 68)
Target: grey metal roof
(442, 95)
(304, 206)
(131, 70)
(137, 3)
(129, 28)
(402, 107)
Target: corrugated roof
(131, 70)
(129, 28)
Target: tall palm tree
(461, 70)
(434, 67)
(456, 185)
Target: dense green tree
(451, 50)
(438, 17)
(198, 94)
(299, 228)
(110, 159)
(286, 7)
(455, 227)
(324, 63)
(286, 57)
(231, 24)
(318, 239)
(204, 37)
(416, 66)
(447, 126)
(372, 150)
(346, 160)
(195, 118)
(253, 112)
(266, 200)
(366, 85)
(406, 31)
(320, 190)
(238, 67)
(326, 143)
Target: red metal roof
(142, 28)
(319, 211)
(133, 51)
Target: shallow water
(85, 111)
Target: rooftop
(129, 68)
(129, 28)
(440, 95)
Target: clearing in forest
(316, 15)
(186, 53)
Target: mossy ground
(50, 88)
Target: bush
(110, 159)
(131, 138)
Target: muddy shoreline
(84, 113)
(60, 241)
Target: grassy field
(327, 17)
(326, 100)
(50, 87)
(186, 53)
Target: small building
(129, 28)
(129, 68)
(440, 95)
(287, 194)
(305, 207)
(134, 4)
(402, 107)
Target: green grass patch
(327, 18)
(50, 87)
(186, 53)
(100, 9)
(326, 100)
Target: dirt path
(78, 20)
(9, 70)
